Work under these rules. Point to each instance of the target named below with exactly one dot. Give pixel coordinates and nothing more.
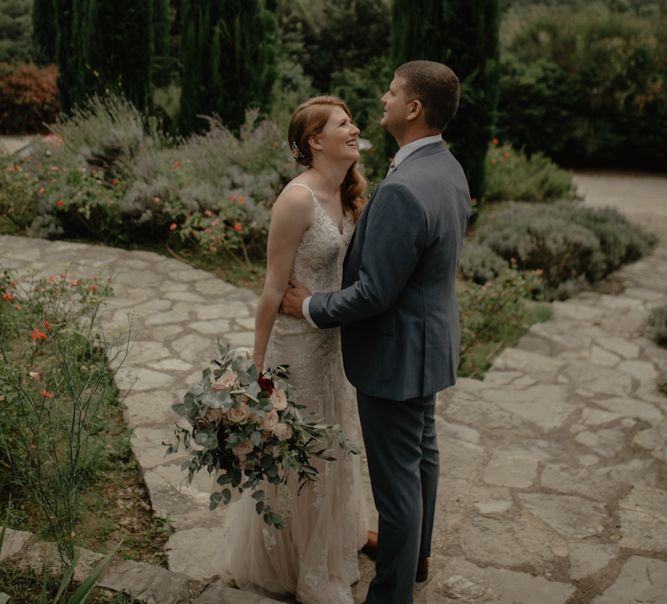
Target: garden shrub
(28, 99)
(492, 316)
(572, 245)
(621, 241)
(587, 87)
(57, 390)
(18, 195)
(657, 325)
(480, 263)
(511, 175)
(114, 178)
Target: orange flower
(495, 141)
(37, 334)
(8, 297)
(46, 325)
(114, 182)
(46, 394)
(51, 279)
(241, 200)
(60, 203)
(176, 164)
(75, 282)
(173, 226)
(92, 288)
(238, 227)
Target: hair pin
(296, 152)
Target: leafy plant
(55, 379)
(513, 176)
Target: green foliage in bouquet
(247, 429)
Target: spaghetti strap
(305, 186)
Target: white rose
(226, 381)
(279, 399)
(270, 421)
(243, 449)
(283, 431)
(238, 415)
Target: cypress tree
(103, 46)
(228, 57)
(464, 35)
(43, 32)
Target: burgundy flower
(265, 384)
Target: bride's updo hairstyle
(308, 120)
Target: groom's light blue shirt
(401, 154)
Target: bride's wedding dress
(315, 555)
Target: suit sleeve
(395, 238)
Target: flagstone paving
(554, 466)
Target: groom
(399, 318)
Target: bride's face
(339, 138)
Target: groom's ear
(415, 109)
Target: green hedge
(587, 88)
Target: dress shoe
(371, 547)
(422, 570)
(371, 550)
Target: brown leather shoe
(422, 570)
(371, 547)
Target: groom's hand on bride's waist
(293, 299)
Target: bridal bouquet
(246, 428)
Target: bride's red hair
(308, 120)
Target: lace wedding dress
(315, 555)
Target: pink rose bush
(246, 429)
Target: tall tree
(464, 35)
(43, 32)
(104, 46)
(228, 58)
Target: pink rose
(279, 399)
(243, 449)
(226, 381)
(270, 421)
(238, 415)
(283, 431)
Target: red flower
(92, 288)
(60, 203)
(238, 227)
(8, 297)
(46, 325)
(495, 141)
(265, 384)
(46, 394)
(173, 226)
(37, 334)
(114, 182)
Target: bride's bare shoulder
(295, 198)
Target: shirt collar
(410, 148)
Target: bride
(315, 555)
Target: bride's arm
(291, 216)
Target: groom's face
(396, 106)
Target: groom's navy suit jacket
(397, 306)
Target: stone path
(554, 467)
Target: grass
(25, 587)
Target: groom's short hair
(437, 88)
